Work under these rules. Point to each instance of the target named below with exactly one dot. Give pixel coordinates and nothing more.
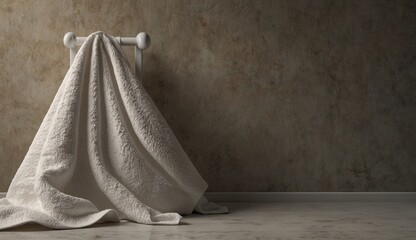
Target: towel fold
(103, 153)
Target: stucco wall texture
(263, 95)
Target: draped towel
(103, 153)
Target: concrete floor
(259, 221)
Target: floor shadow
(29, 227)
(233, 207)
(34, 227)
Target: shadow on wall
(183, 103)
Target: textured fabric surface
(103, 153)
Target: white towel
(103, 153)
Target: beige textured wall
(263, 95)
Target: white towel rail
(141, 42)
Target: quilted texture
(103, 153)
